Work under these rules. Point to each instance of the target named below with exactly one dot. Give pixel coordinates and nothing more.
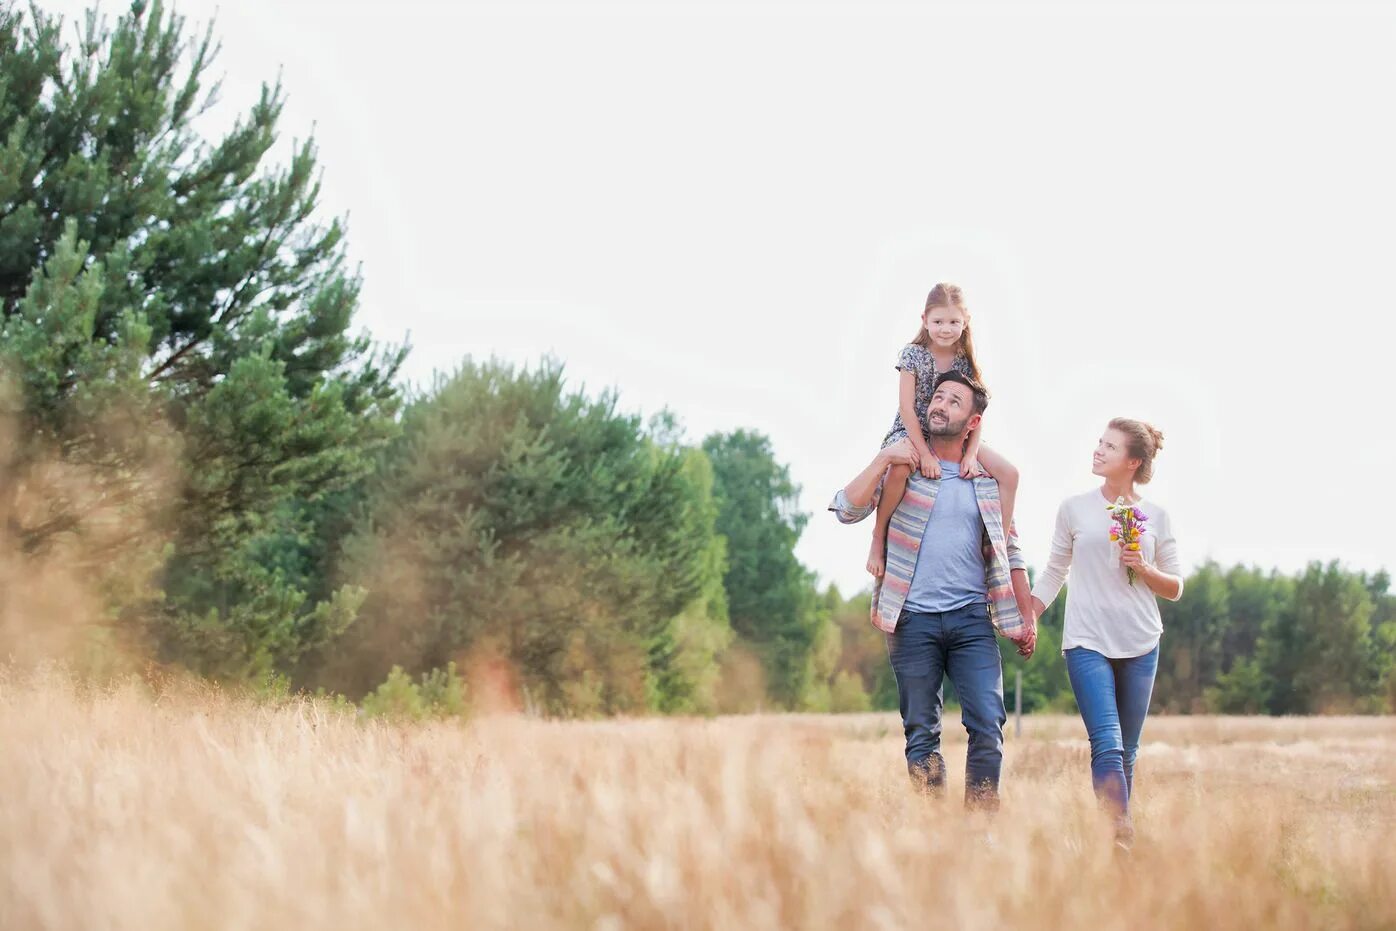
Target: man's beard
(945, 428)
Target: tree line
(205, 467)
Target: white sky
(1176, 212)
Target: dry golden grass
(119, 809)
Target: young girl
(942, 343)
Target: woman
(1111, 635)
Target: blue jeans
(1113, 695)
(923, 649)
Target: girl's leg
(1093, 681)
(893, 488)
(1006, 474)
(1134, 686)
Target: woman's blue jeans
(1113, 695)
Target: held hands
(1027, 641)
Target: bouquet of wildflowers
(1129, 526)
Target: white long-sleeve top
(1103, 611)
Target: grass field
(120, 808)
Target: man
(953, 576)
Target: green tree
(847, 694)
(1191, 651)
(1381, 670)
(864, 648)
(157, 285)
(515, 519)
(1318, 652)
(1243, 689)
(770, 596)
(1254, 599)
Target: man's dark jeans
(924, 648)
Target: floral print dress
(918, 360)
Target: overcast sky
(1178, 212)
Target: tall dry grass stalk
(190, 808)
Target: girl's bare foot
(877, 559)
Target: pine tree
(177, 327)
(771, 596)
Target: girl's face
(1112, 458)
(945, 324)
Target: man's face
(950, 410)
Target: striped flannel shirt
(1001, 552)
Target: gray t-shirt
(950, 564)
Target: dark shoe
(983, 797)
(927, 776)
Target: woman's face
(1111, 459)
(945, 324)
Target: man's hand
(902, 452)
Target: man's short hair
(981, 394)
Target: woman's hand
(1157, 581)
(970, 468)
(1134, 559)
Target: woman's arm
(1050, 582)
(1163, 584)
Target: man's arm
(1022, 591)
(858, 498)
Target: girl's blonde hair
(1145, 441)
(949, 295)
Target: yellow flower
(1114, 536)
(1134, 546)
